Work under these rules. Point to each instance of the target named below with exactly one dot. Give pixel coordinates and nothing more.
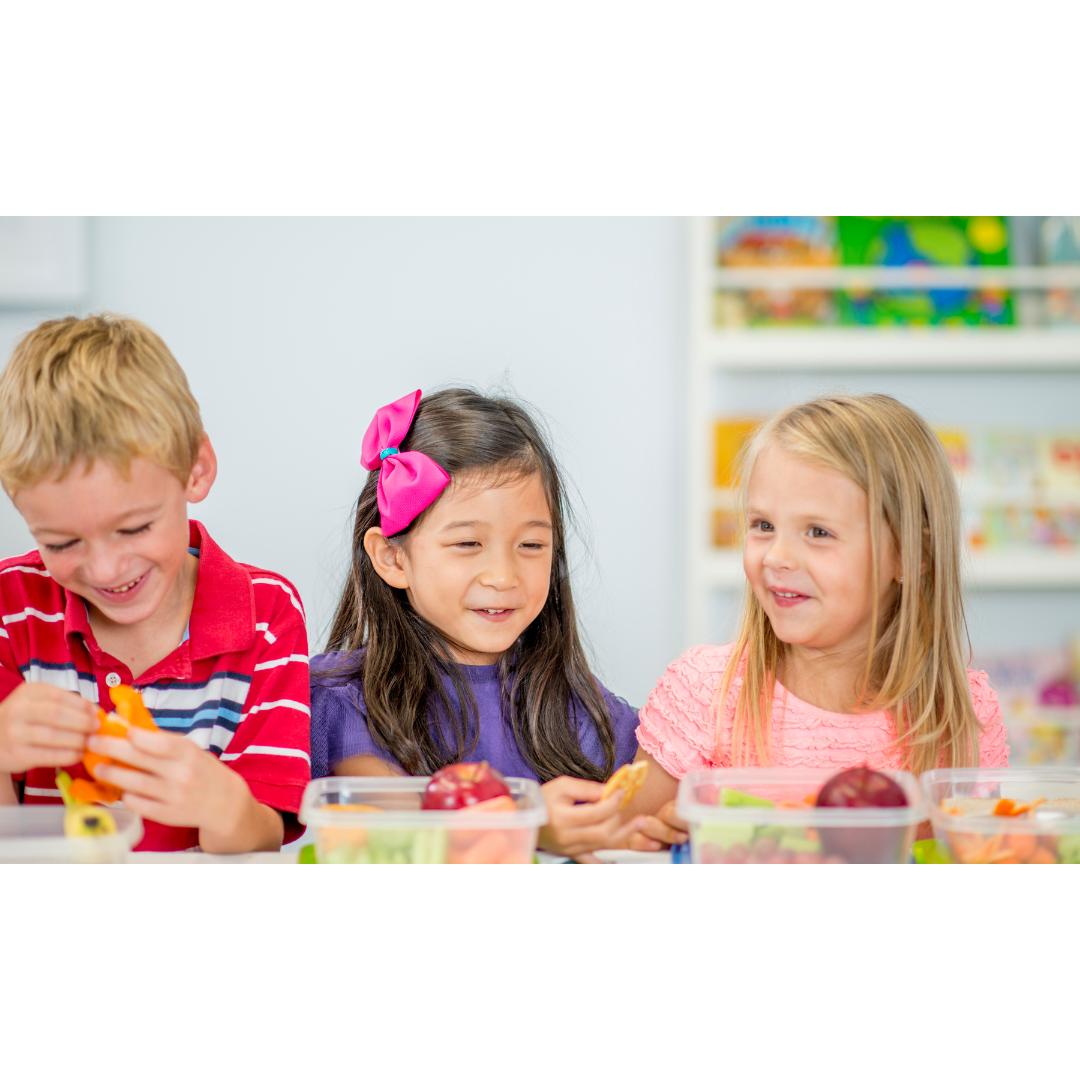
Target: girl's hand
(574, 829)
(666, 827)
(182, 785)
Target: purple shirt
(339, 727)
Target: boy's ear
(203, 473)
(387, 558)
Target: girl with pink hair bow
(455, 638)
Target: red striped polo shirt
(237, 685)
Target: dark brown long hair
(400, 658)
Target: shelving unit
(917, 348)
(1021, 570)
(1016, 348)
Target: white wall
(293, 331)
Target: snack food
(861, 787)
(628, 778)
(355, 819)
(1033, 839)
(130, 712)
(792, 815)
(82, 819)
(463, 784)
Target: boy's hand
(577, 829)
(42, 726)
(666, 827)
(183, 785)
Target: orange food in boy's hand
(130, 712)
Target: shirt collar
(222, 614)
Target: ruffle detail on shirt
(677, 726)
(993, 749)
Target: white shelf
(996, 572)
(1024, 570)
(897, 277)
(913, 348)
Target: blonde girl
(853, 645)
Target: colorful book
(757, 242)
(924, 241)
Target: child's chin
(790, 634)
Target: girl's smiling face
(478, 568)
(807, 554)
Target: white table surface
(202, 857)
(287, 857)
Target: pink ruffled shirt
(677, 727)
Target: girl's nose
(778, 555)
(498, 571)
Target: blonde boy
(101, 450)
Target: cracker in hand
(628, 779)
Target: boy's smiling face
(120, 544)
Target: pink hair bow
(409, 482)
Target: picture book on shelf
(924, 241)
(1019, 488)
(755, 242)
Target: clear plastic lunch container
(1050, 833)
(368, 819)
(35, 834)
(792, 830)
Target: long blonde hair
(916, 665)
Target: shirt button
(112, 679)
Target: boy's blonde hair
(916, 665)
(100, 386)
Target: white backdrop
(293, 331)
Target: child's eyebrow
(127, 515)
(139, 511)
(825, 517)
(473, 524)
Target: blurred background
(651, 346)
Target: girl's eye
(818, 533)
(60, 547)
(135, 532)
(761, 526)
(468, 544)
(533, 545)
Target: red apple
(863, 844)
(861, 787)
(463, 784)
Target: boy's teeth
(124, 588)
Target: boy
(101, 448)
